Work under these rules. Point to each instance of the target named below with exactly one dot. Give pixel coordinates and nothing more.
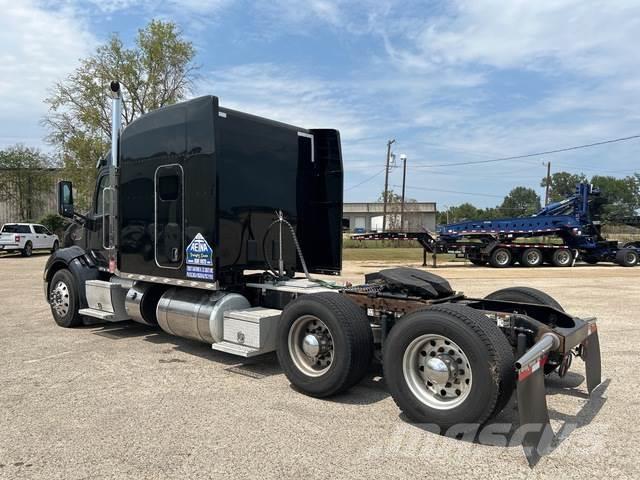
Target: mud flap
(590, 353)
(532, 407)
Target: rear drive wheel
(531, 257)
(525, 295)
(448, 364)
(56, 246)
(627, 257)
(27, 250)
(562, 257)
(63, 299)
(500, 258)
(325, 343)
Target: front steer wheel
(448, 365)
(63, 299)
(325, 343)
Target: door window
(169, 216)
(101, 202)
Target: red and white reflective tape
(591, 329)
(534, 366)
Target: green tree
(520, 201)
(562, 184)
(155, 72)
(25, 179)
(620, 197)
(460, 213)
(393, 197)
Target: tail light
(16, 239)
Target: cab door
(40, 237)
(95, 231)
(169, 216)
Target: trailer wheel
(27, 250)
(627, 257)
(63, 299)
(325, 343)
(525, 295)
(531, 257)
(562, 257)
(501, 258)
(447, 365)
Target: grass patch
(399, 255)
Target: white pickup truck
(27, 237)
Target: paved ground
(125, 401)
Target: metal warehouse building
(367, 217)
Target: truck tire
(448, 365)
(27, 250)
(525, 295)
(562, 257)
(501, 258)
(63, 299)
(627, 257)
(56, 246)
(531, 257)
(324, 343)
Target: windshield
(16, 229)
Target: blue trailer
(560, 234)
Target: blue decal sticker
(199, 252)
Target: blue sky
(450, 81)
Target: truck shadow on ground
(503, 430)
(255, 367)
(371, 389)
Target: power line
(528, 155)
(364, 181)
(452, 191)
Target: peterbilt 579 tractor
(210, 224)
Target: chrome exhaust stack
(116, 122)
(110, 243)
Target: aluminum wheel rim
(502, 258)
(59, 298)
(440, 396)
(631, 258)
(301, 329)
(563, 257)
(533, 257)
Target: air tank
(197, 314)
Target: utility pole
(386, 186)
(546, 192)
(404, 178)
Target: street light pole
(404, 178)
(386, 186)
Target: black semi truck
(210, 224)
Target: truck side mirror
(65, 199)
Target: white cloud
(287, 95)
(589, 37)
(37, 48)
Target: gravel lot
(126, 401)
